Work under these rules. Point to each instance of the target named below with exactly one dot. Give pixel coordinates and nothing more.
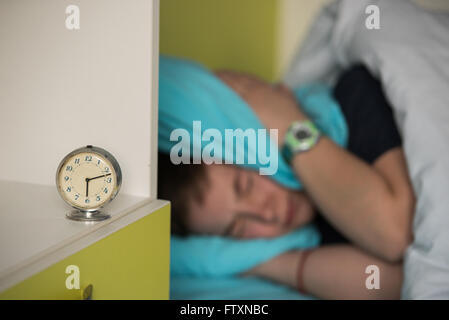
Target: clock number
(98, 162)
(88, 158)
(66, 178)
(108, 180)
(77, 161)
(77, 196)
(98, 198)
(106, 169)
(69, 189)
(86, 201)
(105, 190)
(68, 168)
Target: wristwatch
(301, 136)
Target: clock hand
(87, 187)
(88, 179)
(105, 175)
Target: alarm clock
(87, 179)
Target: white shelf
(34, 232)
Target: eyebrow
(236, 184)
(237, 193)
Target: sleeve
(372, 129)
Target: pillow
(214, 256)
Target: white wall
(61, 89)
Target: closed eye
(255, 228)
(243, 221)
(249, 184)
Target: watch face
(302, 134)
(88, 178)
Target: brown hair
(180, 184)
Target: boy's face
(240, 203)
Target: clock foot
(87, 216)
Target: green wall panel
(231, 34)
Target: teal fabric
(188, 92)
(231, 288)
(214, 256)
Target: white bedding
(410, 54)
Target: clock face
(87, 180)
